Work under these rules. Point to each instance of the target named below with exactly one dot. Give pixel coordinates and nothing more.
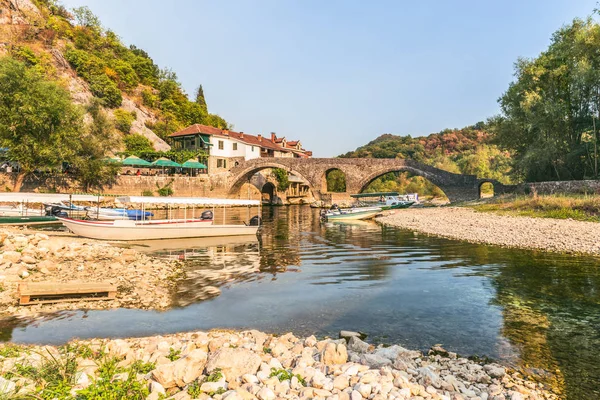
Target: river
(536, 311)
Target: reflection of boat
(353, 222)
(191, 243)
(355, 213)
(166, 228)
(386, 200)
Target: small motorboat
(354, 213)
(386, 200)
(101, 213)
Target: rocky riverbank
(141, 281)
(557, 235)
(252, 365)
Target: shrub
(282, 178)
(173, 354)
(137, 144)
(149, 99)
(105, 89)
(148, 193)
(123, 121)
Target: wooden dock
(52, 292)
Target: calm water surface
(533, 310)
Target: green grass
(174, 355)
(580, 208)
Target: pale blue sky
(337, 74)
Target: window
(235, 146)
(252, 148)
(221, 163)
(221, 145)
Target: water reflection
(538, 311)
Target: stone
(357, 345)
(82, 380)
(28, 260)
(355, 395)
(341, 382)
(155, 387)
(495, 371)
(350, 334)
(208, 387)
(118, 348)
(7, 387)
(234, 362)
(364, 389)
(374, 360)
(12, 256)
(181, 372)
(334, 354)
(266, 394)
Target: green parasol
(136, 161)
(165, 162)
(191, 163)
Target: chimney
(241, 135)
(259, 137)
(273, 136)
(226, 132)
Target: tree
(38, 123)
(89, 161)
(137, 144)
(200, 98)
(86, 18)
(283, 181)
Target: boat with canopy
(190, 226)
(37, 208)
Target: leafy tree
(283, 181)
(86, 18)
(136, 144)
(89, 162)
(336, 181)
(38, 123)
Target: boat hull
(28, 220)
(155, 230)
(361, 215)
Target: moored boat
(131, 230)
(354, 213)
(386, 200)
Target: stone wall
(562, 187)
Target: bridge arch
(334, 180)
(414, 171)
(246, 174)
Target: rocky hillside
(72, 47)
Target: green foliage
(137, 144)
(148, 193)
(89, 163)
(38, 122)
(86, 18)
(267, 350)
(284, 375)
(282, 177)
(149, 99)
(200, 98)
(9, 351)
(193, 389)
(336, 181)
(550, 112)
(106, 387)
(173, 354)
(141, 367)
(581, 208)
(215, 376)
(107, 90)
(123, 120)
(25, 54)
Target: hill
(469, 150)
(72, 48)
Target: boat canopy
(18, 197)
(378, 194)
(198, 201)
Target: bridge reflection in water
(539, 312)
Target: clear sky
(336, 74)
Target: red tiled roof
(197, 128)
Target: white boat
(20, 210)
(354, 213)
(167, 228)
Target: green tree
(137, 144)
(336, 181)
(86, 18)
(283, 181)
(200, 98)
(38, 123)
(89, 161)
(123, 120)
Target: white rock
(364, 389)
(6, 386)
(266, 394)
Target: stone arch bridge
(359, 173)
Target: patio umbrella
(191, 163)
(136, 161)
(165, 162)
(112, 159)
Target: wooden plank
(48, 292)
(36, 288)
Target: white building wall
(228, 147)
(252, 152)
